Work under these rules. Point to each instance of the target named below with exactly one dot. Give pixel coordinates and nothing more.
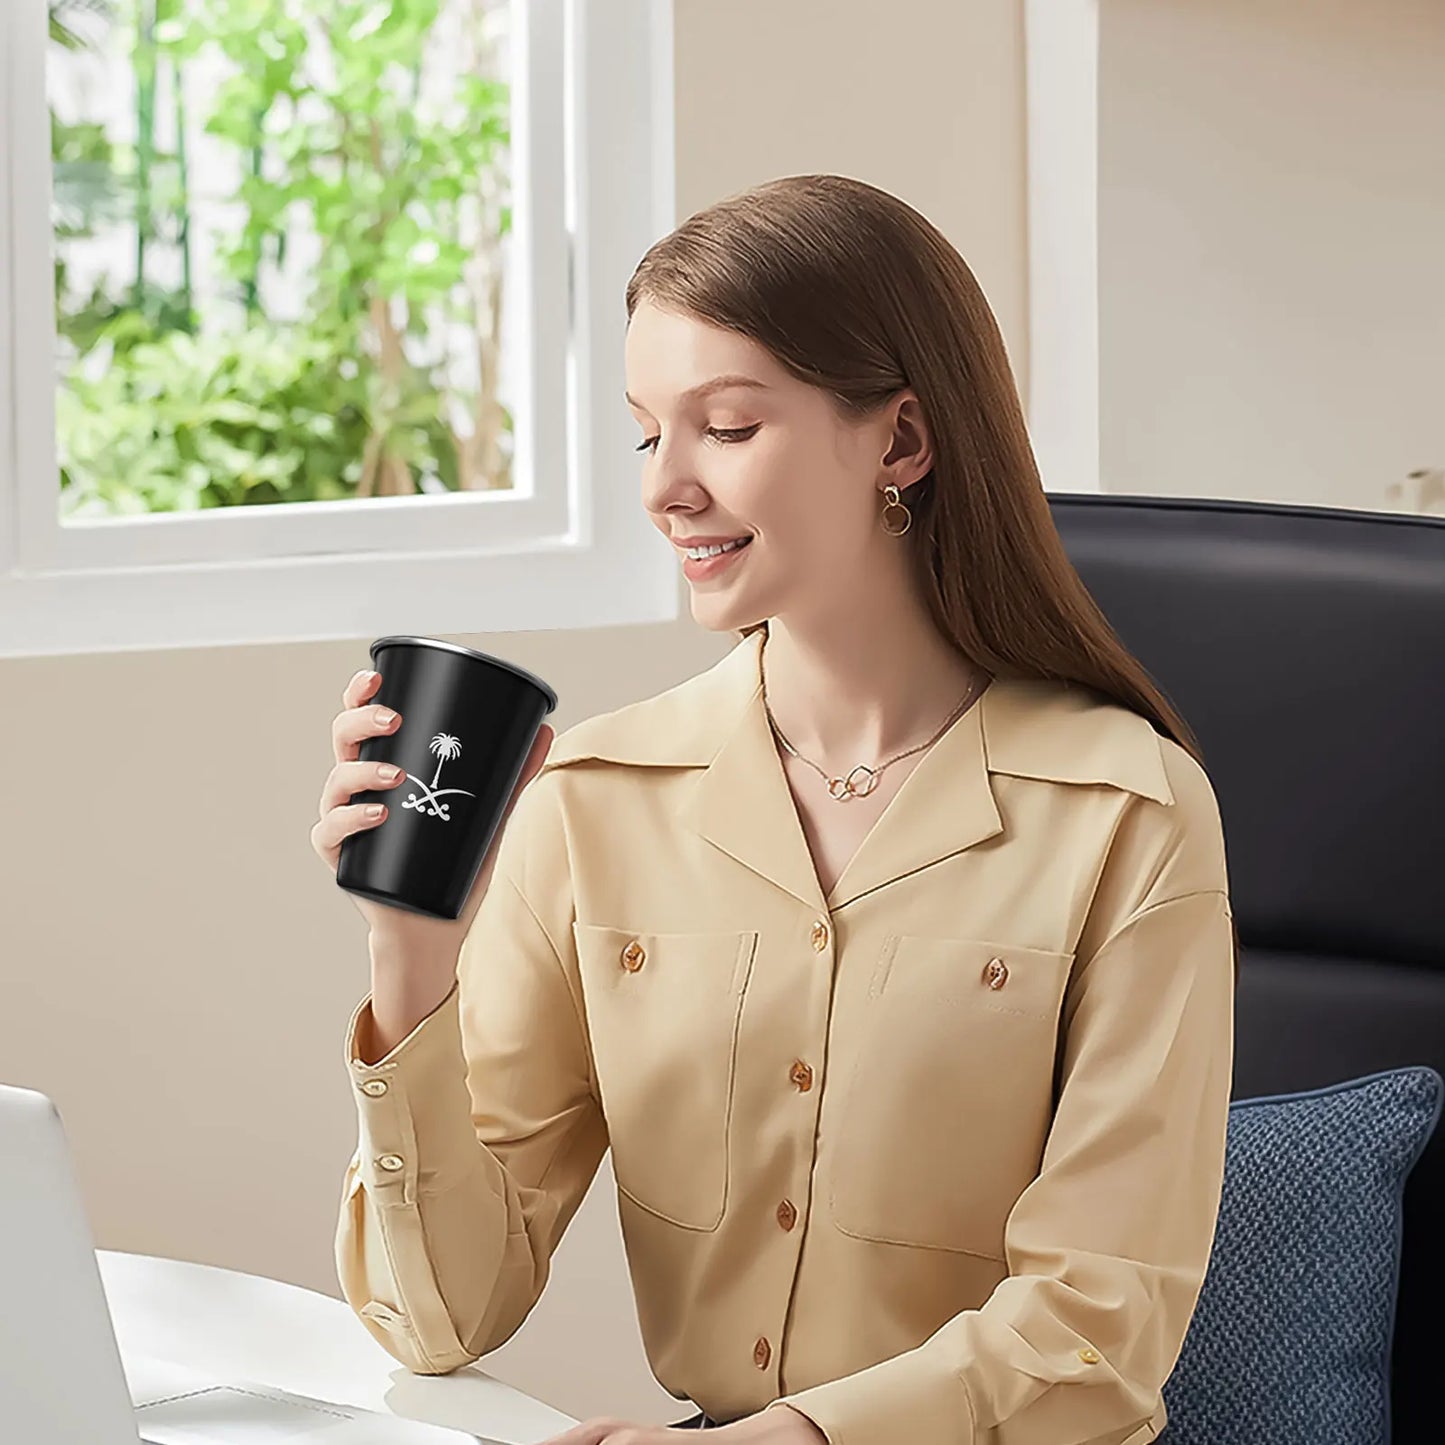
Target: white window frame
(1061, 58)
(569, 547)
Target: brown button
(375, 1087)
(801, 1075)
(1089, 1356)
(820, 935)
(787, 1215)
(762, 1353)
(632, 956)
(995, 973)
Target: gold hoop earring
(891, 492)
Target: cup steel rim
(410, 640)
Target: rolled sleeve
(1108, 1246)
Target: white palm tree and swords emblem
(445, 746)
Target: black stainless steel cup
(468, 721)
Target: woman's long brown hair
(856, 293)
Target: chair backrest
(1305, 646)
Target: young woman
(892, 955)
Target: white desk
(279, 1334)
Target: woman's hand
(776, 1425)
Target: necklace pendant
(845, 788)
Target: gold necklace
(844, 788)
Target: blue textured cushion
(1290, 1342)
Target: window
(313, 327)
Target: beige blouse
(935, 1158)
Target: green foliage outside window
(163, 408)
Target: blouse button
(392, 1162)
(762, 1353)
(801, 1075)
(632, 956)
(1089, 1356)
(820, 935)
(995, 973)
(375, 1087)
(787, 1215)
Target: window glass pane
(281, 239)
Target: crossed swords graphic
(429, 801)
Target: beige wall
(176, 964)
(1271, 214)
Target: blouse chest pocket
(662, 1012)
(949, 1096)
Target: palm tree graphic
(445, 746)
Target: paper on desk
(175, 1405)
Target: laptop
(62, 1379)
